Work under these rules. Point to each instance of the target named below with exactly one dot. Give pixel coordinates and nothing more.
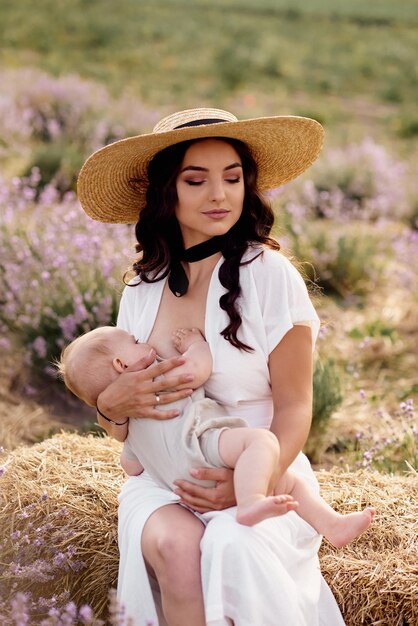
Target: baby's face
(127, 348)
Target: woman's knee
(178, 547)
(170, 539)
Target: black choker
(177, 279)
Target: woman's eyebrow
(196, 168)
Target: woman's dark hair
(159, 236)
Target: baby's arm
(129, 461)
(132, 468)
(194, 348)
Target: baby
(201, 436)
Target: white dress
(268, 574)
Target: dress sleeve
(127, 308)
(283, 297)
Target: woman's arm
(134, 394)
(290, 366)
(117, 431)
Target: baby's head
(91, 362)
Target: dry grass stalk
(374, 579)
(83, 476)
(23, 423)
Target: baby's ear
(119, 365)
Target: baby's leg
(254, 454)
(131, 467)
(338, 529)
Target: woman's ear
(119, 365)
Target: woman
(207, 261)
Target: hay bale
(373, 579)
(58, 520)
(23, 422)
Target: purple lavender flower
(86, 614)
(20, 609)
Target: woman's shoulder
(137, 292)
(131, 288)
(136, 284)
(266, 263)
(132, 282)
(138, 305)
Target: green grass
(379, 11)
(288, 56)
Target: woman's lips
(216, 214)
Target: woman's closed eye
(194, 182)
(232, 181)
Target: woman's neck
(201, 270)
(178, 279)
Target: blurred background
(77, 75)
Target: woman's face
(210, 191)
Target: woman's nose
(217, 192)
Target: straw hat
(283, 147)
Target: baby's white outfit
(168, 449)
(267, 574)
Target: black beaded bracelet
(108, 420)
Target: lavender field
(351, 221)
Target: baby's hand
(183, 338)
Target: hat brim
(282, 146)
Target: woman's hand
(135, 393)
(203, 499)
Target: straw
(23, 422)
(374, 579)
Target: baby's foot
(183, 338)
(270, 506)
(348, 527)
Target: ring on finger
(157, 398)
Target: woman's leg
(171, 548)
(244, 574)
(267, 574)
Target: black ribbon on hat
(177, 279)
(203, 122)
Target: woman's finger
(155, 403)
(143, 363)
(195, 503)
(137, 394)
(210, 498)
(150, 380)
(218, 474)
(196, 496)
(166, 397)
(198, 509)
(158, 369)
(192, 490)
